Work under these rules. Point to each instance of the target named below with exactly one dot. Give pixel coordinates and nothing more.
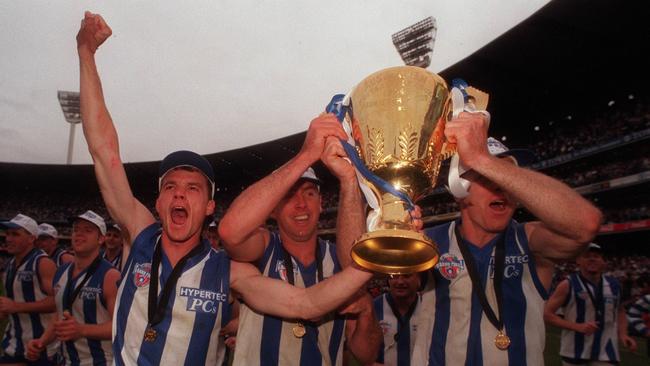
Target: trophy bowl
(398, 118)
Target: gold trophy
(398, 118)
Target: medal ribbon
(288, 263)
(156, 310)
(90, 271)
(477, 286)
(596, 299)
(401, 320)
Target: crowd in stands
(597, 173)
(563, 138)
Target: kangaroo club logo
(281, 269)
(450, 266)
(142, 274)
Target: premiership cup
(398, 118)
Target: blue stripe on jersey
(271, 326)
(338, 327)
(520, 231)
(90, 315)
(598, 335)
(378, 304)
(514, 310)
(72, 352)
(18, 333)
(30, 296)
(309, 352)
(404, 343)
(443, 305)
(482, 258)
(335, 340)
(126, 299)
(611, 352)
(196, 354)
(579, 338)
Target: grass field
(552, 351)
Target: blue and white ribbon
(339, 106)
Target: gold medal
(299, 330)
(502, 341)
(150, 334)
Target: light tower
(71, 111)
(415, 43)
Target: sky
(211, 75)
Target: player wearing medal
(84, 292)
(493, 273)
(173, 298)
(28, 300)
(291, 196)
(48, 240)
(399, 312)
(593, 318)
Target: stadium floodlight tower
(415, 43)
(71, 111)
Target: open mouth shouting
(499, 205)
(179, 215)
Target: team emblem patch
(142, 274)
(282, 270)
(450, 266)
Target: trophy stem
(394, 247)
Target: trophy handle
(458, 186)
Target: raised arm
(278, 298)
(101, 135)
(240, 229)
(567, 223)
(350, 219)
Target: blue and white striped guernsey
(459, 332)
(268, 340)
(397, 350)
(115, 262)
(89, 307)
(578, 307)
(57, 256)
(23, 284)
(189, 332)
(636, 313)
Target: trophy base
(394, 251)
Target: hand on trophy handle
(320, 129)
(469, 132)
